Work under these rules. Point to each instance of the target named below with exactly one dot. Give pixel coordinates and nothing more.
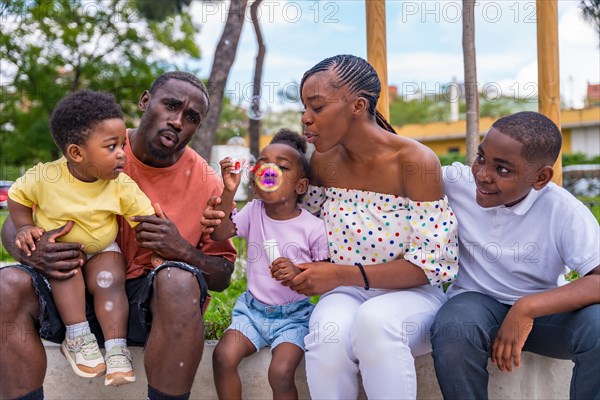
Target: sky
(424, 45)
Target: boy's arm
(21, 215)
(26, 231)
(506, 350)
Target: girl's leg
(69, 298)
(228, 354)
(105, 280)
(331, 366)
(389, 331)
(282, 372)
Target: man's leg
(22, 355)
(176, 341)
(462, 337)
(572, 336)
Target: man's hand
(26, 237)
(56, 260)
(507, 347)
(284, 270)
(211, 216)
(159, 233)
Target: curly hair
(297, 142)
(360, 77)
(540, 137)
(76, 115)
(181, 76)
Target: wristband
(362, 271)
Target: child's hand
(230, 180)
(284, 270)
(27, 236)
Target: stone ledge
(538, 378)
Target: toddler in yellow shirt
(87, 186)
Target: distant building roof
(593, 92)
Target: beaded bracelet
(362, 271)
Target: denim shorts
(139, 292)
(266, 325)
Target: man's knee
(17, 290)
(176, 294)
(175, 282)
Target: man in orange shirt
(165, 301)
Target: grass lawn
(4, 256)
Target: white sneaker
(84, 355)
(118, 367)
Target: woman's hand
(317, 278)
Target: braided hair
(360, 77)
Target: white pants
(378, 332)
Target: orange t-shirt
(182, 190)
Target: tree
(223, 60)
(590, 9)
(471, 92)
(49, 48)
(254, 125)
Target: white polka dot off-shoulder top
(372, 228)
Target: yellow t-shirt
(57, 197)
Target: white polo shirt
(511, 252)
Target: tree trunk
(471, 92)
(223, 60)
(254, 125)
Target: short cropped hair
(76, 115)
(540, 137)
(297, 142)
(181, 76)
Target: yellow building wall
(443, 136)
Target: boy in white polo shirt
(518, 234)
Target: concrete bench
(538, 378)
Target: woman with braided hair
(392, 239)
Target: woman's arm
(320, 277)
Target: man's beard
(158, 153)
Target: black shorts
(139, 292)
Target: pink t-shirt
(301, 239)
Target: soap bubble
(258, 108)
(104, 279)
(268, 177)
